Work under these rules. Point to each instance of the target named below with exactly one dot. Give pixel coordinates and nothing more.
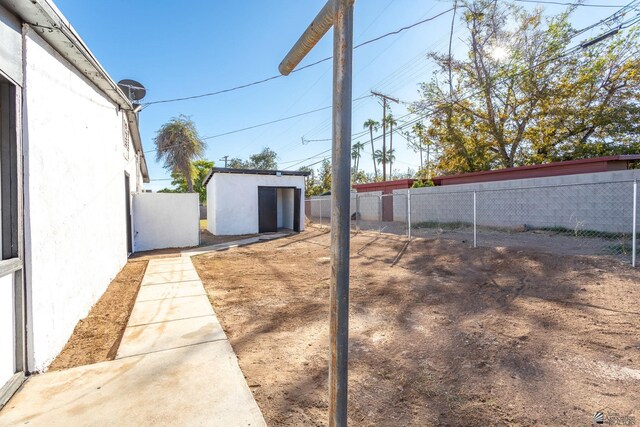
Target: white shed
(248, 201)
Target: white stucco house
(248, 201)
(70, 159)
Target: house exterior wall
(232, 201)
(165, 220)
(75, 225)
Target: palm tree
(391, 122)
(372, 125)
(355, 155)
(379, 158)
(178, 145)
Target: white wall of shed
(232, 201)
(75, 223)
(165, 220)
(279, 216)
(287, 208)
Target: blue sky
(186, 48)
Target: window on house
(126, 135)
(8, 171)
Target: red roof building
(571, 167)
(386, 187)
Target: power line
(276, 121)
(257, 82)
(561, 55)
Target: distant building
(249, 201)
(571, 167)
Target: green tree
(519, 98)
(325, 176)
(237, 163)
(379, 158)
(199, 171)
(391, 122)
(356, 150)
(178, 145)
(266, 160)
(372, 125)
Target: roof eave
(132, 118)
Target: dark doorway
(387, 207)
(127, 194)
(267, 209)
(297, 195)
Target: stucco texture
(165, 220)
(75, 223)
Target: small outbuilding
(249, 201)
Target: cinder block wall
(369, 206)
(598, 201)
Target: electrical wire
(257, 82)
(277, 120)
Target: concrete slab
(219, 247)
(167, 268)
(170, 276)
(145, 312)
(170, 290)
(199, 385)
(169, 335)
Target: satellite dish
(133, 89)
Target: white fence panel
(165, 220)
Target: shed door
(267, 209)
(297, 195)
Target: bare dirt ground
(96, 338)
(532, 240)
(440, 334)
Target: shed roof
(254, 172)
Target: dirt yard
(96, 338)
(440, 333)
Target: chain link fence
(595, 218)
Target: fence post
(357, 212)
(475, 227)
(380, 214)
(409, 213)
(320, 201)
(634, 221)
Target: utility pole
(384, 130)
(339, 14)
(225, 158)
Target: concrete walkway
(174, 367)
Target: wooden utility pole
(339, 15)
(225, 158)
(384, 130)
